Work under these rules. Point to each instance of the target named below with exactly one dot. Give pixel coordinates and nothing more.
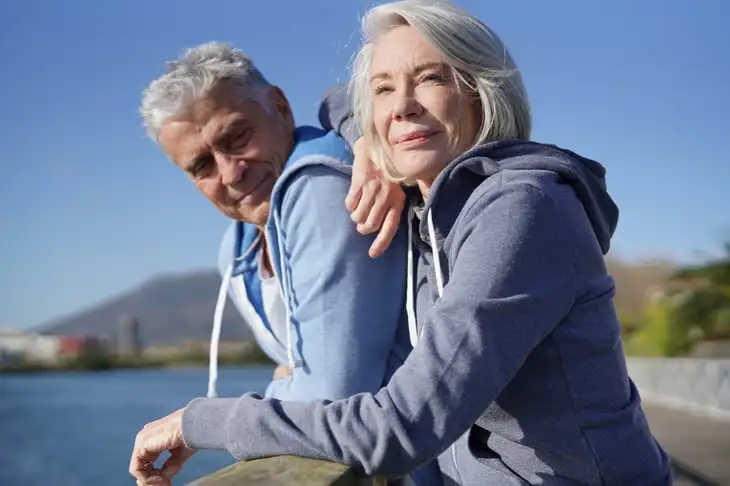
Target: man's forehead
(181, 140)
(187, 134)
(218, 102)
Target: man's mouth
(253, 192)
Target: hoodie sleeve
(346, 306)
(510, 284)
(335, 113)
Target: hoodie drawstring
(215, 337)
(440, 287)
(410, 304)
(293, 363)
(220, 306)
(436, 257)
(410, 292)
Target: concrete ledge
(698, 445)
(699, 386)
(286, 471)
(691, 408)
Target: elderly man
(292, 261)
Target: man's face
(232, 148)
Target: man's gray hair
(192, 76)
(480, 61)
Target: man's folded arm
(346, 305)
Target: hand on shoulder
(375, 203)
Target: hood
(455, 184)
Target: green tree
(716, 272)
(695, 306)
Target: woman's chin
(423, 168)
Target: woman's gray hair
(191, 77)
(480, 61)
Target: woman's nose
(406, 106)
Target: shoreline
(173, 367)
(125, 364)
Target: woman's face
(422, 120)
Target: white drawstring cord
(215, 337)
(289, 339)
(436, 258)
(410, 291)
(293, 363)
(410, 304)
(440, 286)
(220, 306)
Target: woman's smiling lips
(415, 138)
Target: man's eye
(201, 166)
(239, 139)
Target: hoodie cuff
(204, 422)
(350, 131)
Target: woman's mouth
(415, 138)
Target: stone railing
(287, 471)
(697, 385)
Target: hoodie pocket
(473, 462)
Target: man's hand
(281, 371)
(374, 202)
(155, 438)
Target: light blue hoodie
(344, 310)
(518, 376)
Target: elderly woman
(518, 375)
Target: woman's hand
(375, 203)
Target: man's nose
(231, 169)
(405, 105)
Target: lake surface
(78, 429)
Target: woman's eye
(432, 78)
(382, 89)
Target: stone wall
(694, 384)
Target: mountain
(177, 307)
(169, 308)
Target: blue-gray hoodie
(518, 376)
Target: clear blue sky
(90, 207)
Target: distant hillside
(169, 309)
(633, 279)
(173, 308)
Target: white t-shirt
(273, 301)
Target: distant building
(74, 346)
(128, 341)
(18, 346)
(12, 346)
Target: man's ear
(282, 108)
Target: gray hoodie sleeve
(335, 113)
(510, 283)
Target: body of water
(78, 429)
